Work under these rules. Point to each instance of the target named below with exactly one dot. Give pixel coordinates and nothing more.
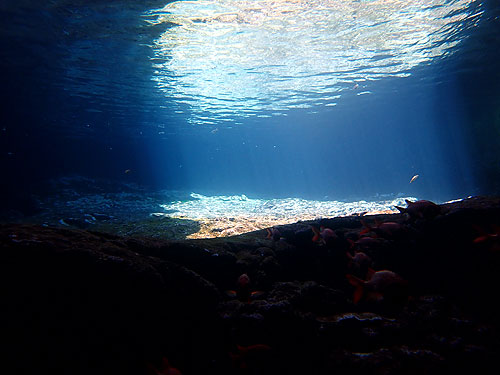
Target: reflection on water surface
(230, 58)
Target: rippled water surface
(231, 59)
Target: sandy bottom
(129, 210)
(223, 216)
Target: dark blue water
(91, 89)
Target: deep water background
(77, 98)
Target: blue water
(318, 100)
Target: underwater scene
(250, 186)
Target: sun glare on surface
(236, 58)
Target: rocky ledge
(409, 293)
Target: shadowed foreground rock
(79, 302)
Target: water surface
(316, 100)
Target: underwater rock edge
(84, 302)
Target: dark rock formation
(82, 302)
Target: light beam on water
(236, 58)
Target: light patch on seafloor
(232, 58)
(222, 216)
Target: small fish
(325, 235)
(420, 209)
(378, 286)
(165, 369)
(127, 171)
(214, 130)
(359, 263)
(490, 238)
(388, 230)
(365, 243)
(414, 178)
(273, 233)
(243, 292)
